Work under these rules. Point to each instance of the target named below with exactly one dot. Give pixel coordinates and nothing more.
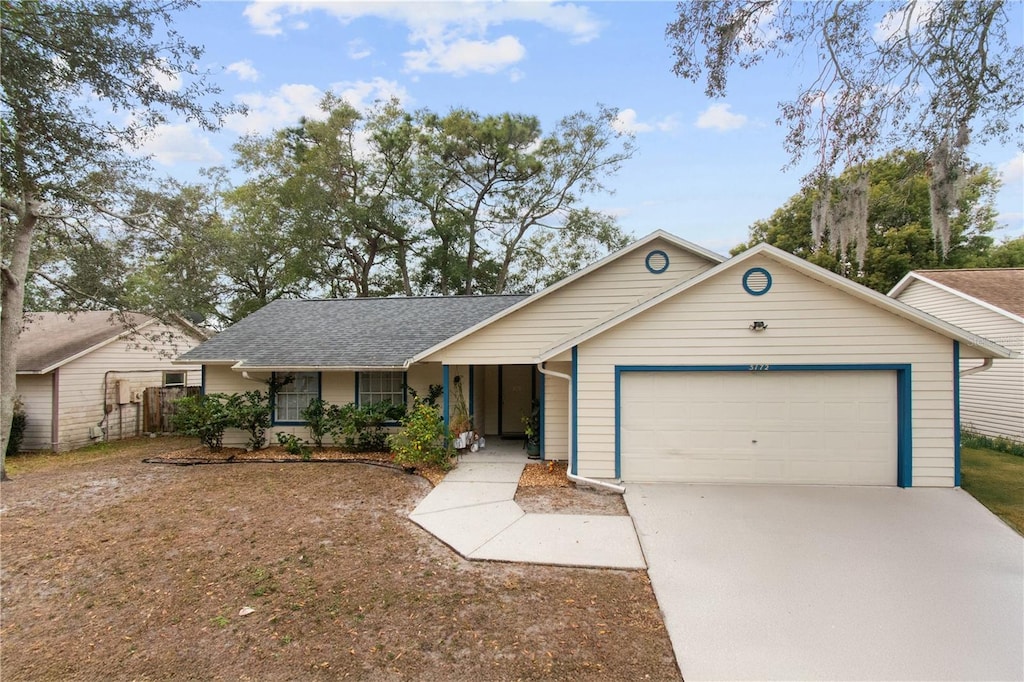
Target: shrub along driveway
(818, 582)
(115, 569)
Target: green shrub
(293, 445)
(250, 411)
(423, 439)
(970, 439)
(362, 428)
(320, 416)
(19, 421)
(204, 417)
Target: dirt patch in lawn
(116, 569)
(545, 489)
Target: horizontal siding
(140, 359)
(520, 336)
(992, 401)
(709, 325)
(35, 393)
(556, 413)
(338, 388)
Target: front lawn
(116, 569)
(996, 479)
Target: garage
(758, 424)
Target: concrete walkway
(473, 511)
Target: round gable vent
(757, 281)
(657, 262)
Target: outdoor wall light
(758, 326)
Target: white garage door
(835, 427)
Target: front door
(515, 391)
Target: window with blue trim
(295, 396)
(380, 387)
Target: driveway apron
(833, 583)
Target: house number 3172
(759, 368)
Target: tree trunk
(403, 266)
(12, 306)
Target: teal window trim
(956, 414)
(904, 425)
(274, 421)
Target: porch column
(446, 393)
(471, 398)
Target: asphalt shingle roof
(355, 332)
(1001, 287)
(49, 339)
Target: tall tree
(177, 249)
(929, 75)
(82, 82)
(899, 237)
(487, 183)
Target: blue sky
(704, 170)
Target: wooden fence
(158, 407)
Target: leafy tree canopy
(899, 238)
(925, 75)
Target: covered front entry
(509, 392)
(810, 427)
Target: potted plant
(461, 423)
(531, 426)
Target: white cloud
(161, 75)
(244, 70)
(461, 57)
(720, 118)
(626, 122)
(290, 102)
(897, 22)
(449, 36)
(362, 94)
(358, 49)
(1013, 172)
(283, 107)
(179, 143)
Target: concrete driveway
(830, 583)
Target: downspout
(986, 364)
(568, 472)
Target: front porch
(497, 400)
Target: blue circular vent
(757, 281)
(657, 261)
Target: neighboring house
(80, 375)
(660, 362)
(989, 303)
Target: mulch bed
(115, 569)
(545, 489)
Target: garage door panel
(832, 427)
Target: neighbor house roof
(1001, 289)
(814, 272)
(49, 340)
(354, 333)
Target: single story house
(81, 375)
(661, 362)
(990, 304)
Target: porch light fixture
(758, 326)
